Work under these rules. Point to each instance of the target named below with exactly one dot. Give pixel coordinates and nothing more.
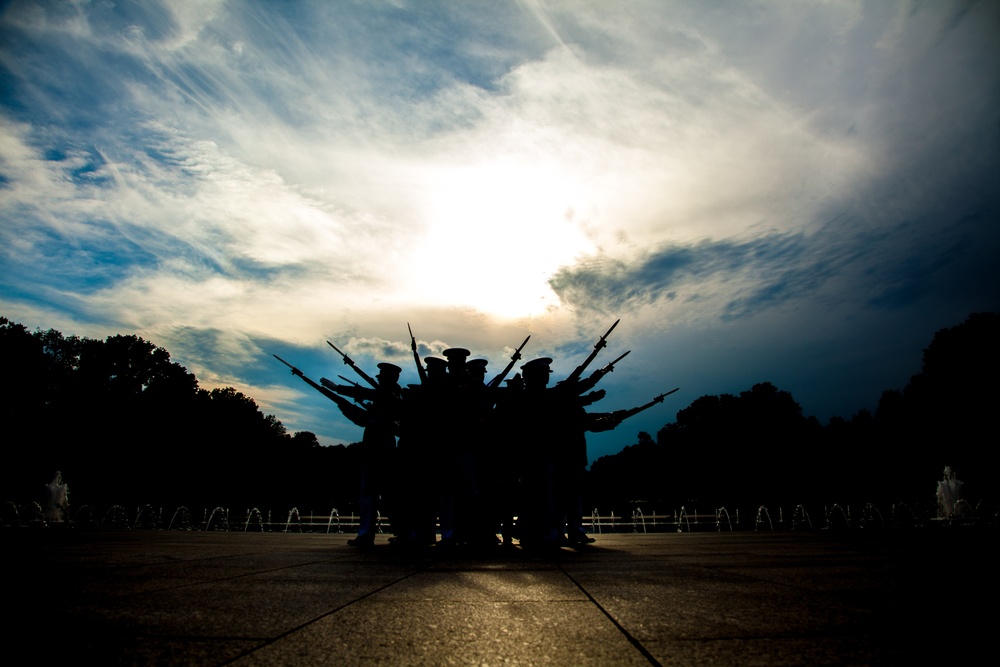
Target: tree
(126, 425)
(946, 416)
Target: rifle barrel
(421, 371)
(495, 382)
(602, 342)
(350, 362)
(620, 358)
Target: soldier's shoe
(362, 541)
(580, 539)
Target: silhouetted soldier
(457, 372)
(539, 520)
(452, 429)
(476, 368)
(462, 429)
(555, 452)
(437, 371)
(481, 462)
(433, 404)
(419, 457)
(571, 424)
(406, 483)
(377, 417)
(377, 450)
(506, 459)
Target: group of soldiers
(490, 461)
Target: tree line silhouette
(758, 447)
(128, 426)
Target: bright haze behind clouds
(793, 192)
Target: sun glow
(495, 234)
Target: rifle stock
(353, 390)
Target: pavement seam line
(621, 628)
(301, 626)
(202, 582)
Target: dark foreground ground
(782, 598)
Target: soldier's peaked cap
(390, 369)
(456, 353)
(434, 361)
(540, 365)
(477, 364)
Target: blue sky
(793, 192)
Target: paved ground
(782, 598)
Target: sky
(784, 191)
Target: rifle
(356, 414)
(595, 377)
(610, 367)
(495, 382)
(575, 375)
(622, 415)
(350, 362)
(356, 391)
(421, 371)
(608, 421)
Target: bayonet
(295, 371)
(609, 420)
